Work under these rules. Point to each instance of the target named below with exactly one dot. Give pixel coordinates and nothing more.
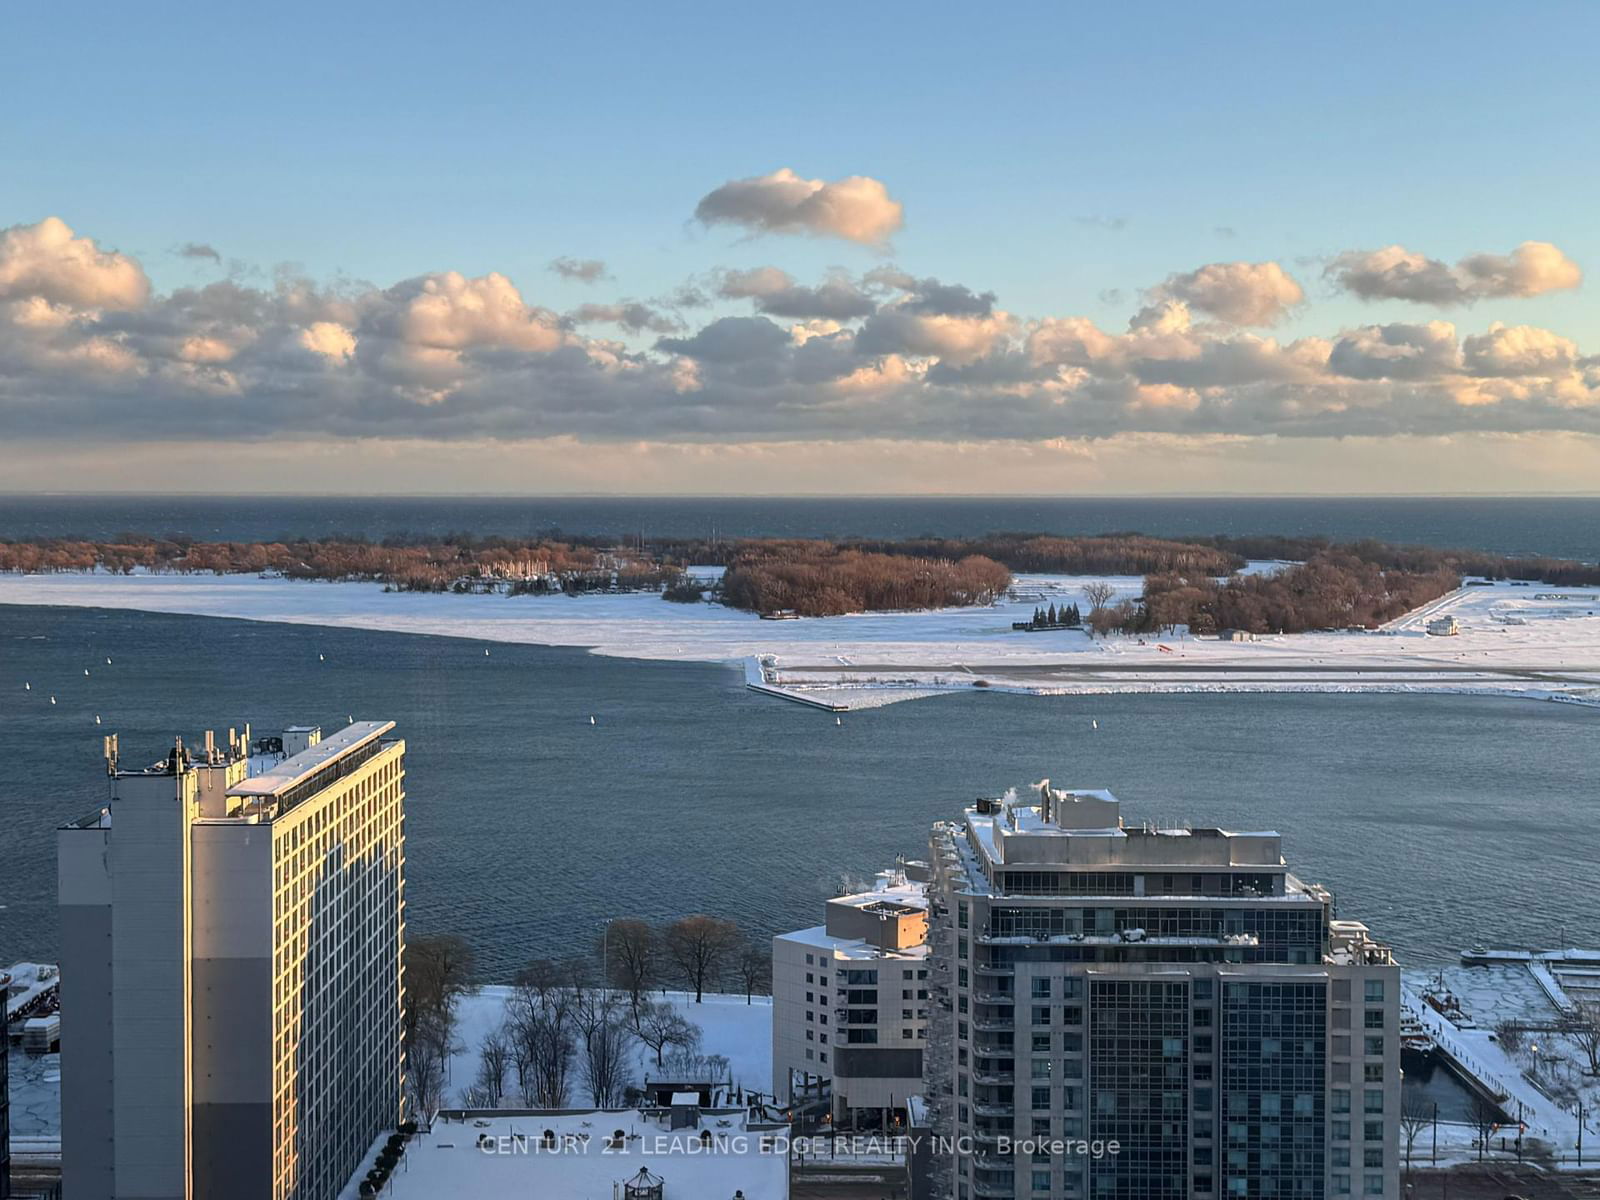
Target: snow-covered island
(1511, 639)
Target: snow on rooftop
(571, 1155)
(292, 770)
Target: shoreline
(1516, 642)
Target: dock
(757, 679)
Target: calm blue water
(1564, 526)
(1442, 821)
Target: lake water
(1441, 821)
(1564, 526)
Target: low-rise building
(850, 1003)
(676, 1152)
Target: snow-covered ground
(738, 1031)
(1514, 640)
(1544, 1077)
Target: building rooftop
(1085, 827)
(571, 1155)
(297, 769)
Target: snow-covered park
(731, 1027)
(1519, 640)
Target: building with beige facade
(850, 1002)
(232, 927)
(1133, 1012)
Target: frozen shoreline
(1521, 641)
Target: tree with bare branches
(1416, 1114)
(659, 1025)
(699, 947)
(1098, 593)
(541, 1029)
(1486, 1117)
(1584, 1029)
(754, 966)
(630, 950)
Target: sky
(1231, 248)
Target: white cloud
(329, 339)
(1396, 273)
(1241, 293)
(1518, 350)
(452, 357)
(49, 261)
(858, 209)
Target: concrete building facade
(850, 1003)
(1176, 992)
(232, 927)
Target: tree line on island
(1191, 582)
(573, 1028)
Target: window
(1041, 1097)
(1341, 1131)
(1372, 1184)
(1374, 1101)
(1341, 1100)
(1041, 989)
(1041, 1014)
(1041, 1068)
(1041, 1181)
(1375, 1045)
(1041, 1043)
(1341, 1185)
(1372, 1156)
(1373, 1072)
(1373, 1019)
(1373, 993)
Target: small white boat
(591, 720)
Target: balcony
(994, 1024)
(991, 1108)
(995, 1190)
(993, 1078)
(994, 968)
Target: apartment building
(850, 1002)
(232, 926)
(1176, 992)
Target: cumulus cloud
(1396, 273)
(84, 345)
(580, 270)
(836, 299)
(631, 315)
(1515, 351)
(49, 261)
(1241, 293)
(198, 250)
(858, 209)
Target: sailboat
(591, 720)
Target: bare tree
(494, 1063)
(699, 946)
(1583, 1027)
(1097, 592)
(659, 1025)
(1486, 1117)
(425, 1059)
(754, 966)
(1416, 1114)
(605, 1060)
(1509, 1036)
(438, 972)
(631, 952)
(541, 1029)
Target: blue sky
(1050, 153)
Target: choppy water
(1442, 821)
(1564, 526)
